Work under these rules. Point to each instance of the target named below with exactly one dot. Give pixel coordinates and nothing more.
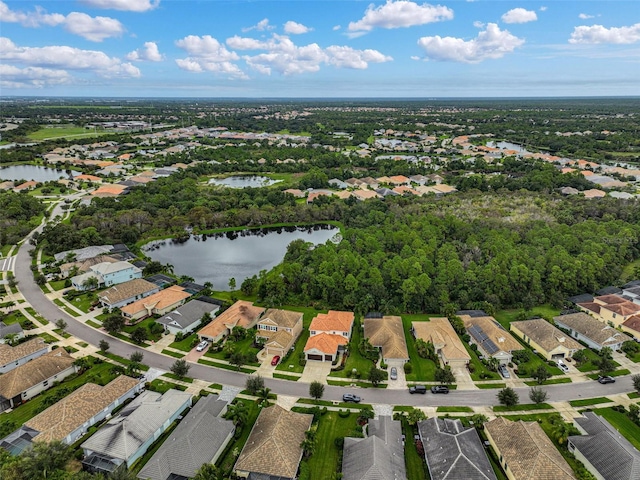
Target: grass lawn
(82, 344)
(633, 395)
(522, 407)
(282, 376)
(227, 460)
(489, 386)
(93, 324)
(124, 361)
(286, 363)
(83, 302)
(589, 401)
(354, 360)
(162, 386)
(357, 383)
(551, 381)
(505, 317)
(590, 364)
(63, 131)
(37, 316)
(62, 333)
(454, 409)
(244, 346)
(423, 370)
(225, 366)
(58, 285)
(634, 358)
(175, 377)
(617, 373)
(146, 324)
(173, 354)
(415, 463)
(47, 337)
(480, 371)
(184, 344)
(329, 403)
(622, 423)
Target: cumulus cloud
(30, 19)
(489, 44)
(585, 16)
(207, 54)
(398, 14)
(149, 53)
(600, 34)
(126, 5)
(295, 28)
(261, 26)
(336, 28)
(66, 58)
(15, 77)
(347, 57)
(543, 8)
(519, 15)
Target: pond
(507, 146)
(33, 172)
(240, 254)
(243, 181)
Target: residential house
(550, 342)
(591, 331)
(279, 329)
(26, 186)
(632, 292)
(337, 183)
(110, 190)
(82, 254)
(128, 292)
(157, 304)
(399, 180)
(603, 450)
(419, 179)
(444, 188)
(378, 456)
(314, 194)
(364, 194)
(329, 333)
(453, 451)
(492, 339)
(200, 437)
(445, 340)
(12, 357)
(632, 326)
(525, 452)
(387, 333)
(28, 380)
(128, 435)
(273, 450)
(369, 182)
(107, 274)
(612, 309)
(186, 318)
(241, 314)
(84, 266)
(296, 192)
(70, 418)
(15, 329)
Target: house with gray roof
(107, 274)
(188, 316)
(128, 435)
(380, 456)
(12, 357)
(128, 292)
(13, 329)
(603, 450)
(81, 254)
(453, 451)
(593, 332)
(200, 438)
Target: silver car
(394, 373)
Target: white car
(562, 366)
(202, 345)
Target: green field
(63, 131)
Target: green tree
(135, 363)
(82, 363)
(316, 389)
(540, 374)
(635, 379)
(508, 396)
(207, 471)
(43, 459)
(103, 345)
(238, 414)
(238, 359)
(113, 324)
(254, 383)
(180, 368)
(445, 375)
(376, 376)
(561, 430)
(90, 283)
(479, 419)
(538, 395)
(139, 335)
(415, 415)
(263, 395)
(308, 445)
(605, 363)
(61, 324)
(232, 284)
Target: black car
(606, 379)
(418, 389)
(350, 397)
(439, 389)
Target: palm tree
(263, 395)
(309, 442)
(237, 413)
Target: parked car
(439, 389)
(394, 373)
(275, 360)
(606, 379)
(562, 366)
(350, 397)
(418, 389)
(202, 345)
(504, 371)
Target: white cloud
(149, 52)
(261, 26)
(543, 8)
(208, 54)
(347, 57)
(95, 29)
(14, 77)
(519, 15)
(489, 44)
(126, 5)
(295, 28)
(478, 24)
(30, 19)
(600, 34)
(400, 13)
(585, 16)
(336, 28)
(66, 58)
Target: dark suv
(439, 389)
(418, 389)
(606, 379)
(350, 397)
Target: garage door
(314, 357)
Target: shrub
(408, 368)
(339, 442)
(343, 413)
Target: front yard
(355, 361)
(147, 324)
(422, 369)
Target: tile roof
(105, 268)
(609, 299)
(333, 321)
(624, 309)
(9, 354)
(591, 306)
(612, 455)
(494, 332)
(282, 318)
(325, 343)
(62, 418)
(633, 323)
(527, 451)
(196, 440)
(364, 194)
(454, 452)
(273, 447)
(440, 332)
(126, 290)
(188, 314)
(387, 332)
(594, 329)
(241, 313)
(157, 301)
(109, 190)
(546, 335)
(34, 372)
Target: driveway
(401, 382)
(316, 370)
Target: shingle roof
(282, 318)
(387, 332)
(196, 440)
(325, 343)
(527, 451)
(10, 354)
(34, 372)
(157, 301)
(454, 452)
(607, 451)
(125, 290)
(241, 313)
(273, 447)
(546, 335)
(189, 313)
(494, 332)
(440, 332)
(105, 268)
(9, 329)
(594, 329)
(334, 320)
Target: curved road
(34, 295)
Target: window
(45, 383)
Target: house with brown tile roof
(30, 185)
(279, 329)
(12, 357)
(241, 314)
(549, 341)
(70, 418)
(157, 304)
(127, 292)
(28, 380)
(445, 340)
(273, 447)
(109, 190)
(611, 309)
(324, 347)
(364, 194)
(491, 338)
(632, 326)
(525, 452)
(444, 188)
(296, 192)
(88, 178)
(594, 193)
(595, 333)
(387, 334)
(399, 180)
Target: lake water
(243, 181)
(33, 172)
(507, 146)
(240, 255)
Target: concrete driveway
(316, 370)
(401, 382)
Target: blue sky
(310, 48)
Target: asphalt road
(34, 295)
